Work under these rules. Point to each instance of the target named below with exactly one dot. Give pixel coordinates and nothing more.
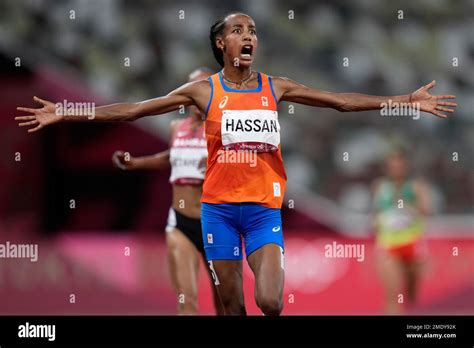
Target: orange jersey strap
(243, 142)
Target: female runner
(187, 156)
(400, 204)
(242, 195)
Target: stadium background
(81, 250)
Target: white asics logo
(276, 229)
(223, 102)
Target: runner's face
(193, 111)
(397, 166)
(239, 42)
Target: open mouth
(246, 51)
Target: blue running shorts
(225, 225)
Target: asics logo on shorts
(276, 229)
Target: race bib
(255, 130)
(397, 219)
(186, 164)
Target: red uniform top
(243, 143)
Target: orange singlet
(243, 142)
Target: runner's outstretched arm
(291, 91)
(192, 93)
